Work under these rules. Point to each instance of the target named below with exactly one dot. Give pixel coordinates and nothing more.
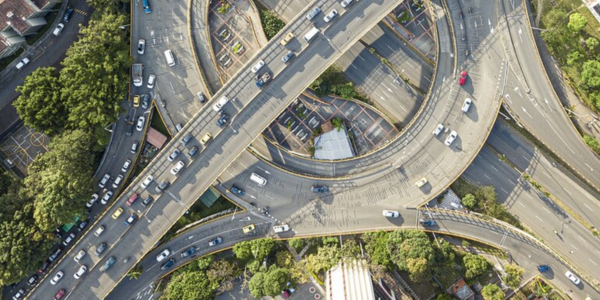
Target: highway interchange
(399, 164)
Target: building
(461, 290)
(349, 281)
(20, 18)
(594, 7)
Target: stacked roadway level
(251, 110)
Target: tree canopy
(513, 275)
(576, 22)
(269, 283)
(411, 251)
(376, 247)
(492, 292)
(258, 249)
(590, 75)
(475, 265)
(190, 285)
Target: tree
(513, 275)
(573, 57)
(284, 259)
(136, 272)
(469, 201)
(59, 180)
(592, 43)
(270, 23)
(256, 285)
(590, 75)
(258, 249)
(576, 22)
(411, 251)
(492, 292)
(5, 182)
(297, 244)
(444, 253)
(330, 241)
(40, 105)
(190, 285)
(443, 297)
(326, 257)
(418, 269)
(376, 247)
(221, 270)
(474, 265)
(350, 249)
(269, 283)
(110, 6)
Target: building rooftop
(333, 145)
(349, 281)
(156, 138)
(14, 13)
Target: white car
(390, 213)
(126, 165)
(151, 80)
(574, 279)
(330, 16)
(466, 105)
(22, 63)
(141, 46)
(281, 228)
(92, 201)
(59, 28)
(79, 255)
(438, 129)
(178, 166)
(258, 66)
(106, 197)
(163, 255)
(345, 3)
(117, 181)
(80, 272)
(140, 123)
(57, 277)
(450, 139)
(146, 181)
(99, 231)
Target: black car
(82, 225)
(193, 151)
(237, 191)
(32, 280)
(147, 200)
(162, 186)
(319, 189)
(145, 101)
(100, 249)
(222, 121)
(168, 264)
(44, 267)
(68, 14)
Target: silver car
(330, 16)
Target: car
(427, 223)
(438, 129)
(466, 105)
(281, 228)
(22, 63)
(237, 191)
(345, 3)
(145, 100)
(32, 280)
(59, 28)
(162, 255)
(193, 151)
(126, 165)
(140, 123)
(178, 166)
(288, 56)
(186, 139)
(574, 279)
(543, 268)
(141, 46)
(222, 121)
(286, 39)
(93, 200)
(106, 197)
(146, 181)
(79, 255)
(313, 13)
(206, 138)
(131, 219)
(134, 147)
(147, 200)
(80, 272)
(216, 241)
(44, 267)
(201, 97)
(136, 101)
(188, 252)
(463, 78)
(68, 239)
(151, 80)
(60, 294)
(450, 139)
(162, 186)
(57, 277)
(104, 180)
(117, 213)
(132, 199)
(421, 182)
(117, 181)
(319, 189)
(111, 261)
(178, 127)
(99, 231)
(19, 294)
(258, 66)
(54, 255)
(81, 225)
(174, 155)
(168, 264)
(330, 16)
(249, 228)
(101, 248)
(68, 14)
(390, 213)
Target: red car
(463, 78)
(59, 295)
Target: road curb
(193, 47)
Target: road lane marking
(575, 247)
(588, 207)
(539, 218)
(593, 262)
(567, 191)
(547, 210)
(486, 176)
(521, 204)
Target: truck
(136, 74)
(263, 79)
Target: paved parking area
(297, 125)
(23, 146)
(411, 21)
(303, 292)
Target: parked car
(80, 272)
(288, 56)
(466, 105)
(101, 248)
(201, 97)
(193, 151)
(463, 78)
(168, 264)
(60, 294)
(140, 123)
(423, 181)
(99, 231)
(68, 14)
(22, 63)
(126, 165)
(82, 225)
(222, 121)
(319, 189)
(206, 138)
(174, 155)
(330, 16)
(117, 181)
(151, 80)
(19, 294)
(136, 101)
(345, 3)
(390, 213)
(131, 219)
(57, 277)
(54, 255)
(44, 267)
(106, 197)
(146, 100)
(248, 229)
(69, 238)
(281, 228)
(79, 255)
(146, 181)
(134, 147)
(92, 200)
(162, 186)
(286, 39)
(104, 180)
(178, 127)
(161, 256)
(178, 166)
(147, 200)
(188, 252)
(237, 191)
(141, 46)
(59, 28)
(216, 241)
(32, 280)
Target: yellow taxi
(287, 38)
(136, 101)
(206, 138)
(249, 228)
(117, 213)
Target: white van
(169, 57)
(258, 179)
(219, 105)
(311, 34)
(281, 228)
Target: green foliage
(592, 43)
(326, 257)
(330, 241)
(224, 8)
(492, 292)
(590, 75)
(592, 143)
(576, 22)
(271, 23)
(5, 182)
(284, 259)
(475, 265)
(269, 283)
(110, 6)
(513, 275)
(444, 253)
(221, 270)
(469, 201)
(40, 105)
(574, 57)
(443, 297)
(350, 249)
(465, 243)
(376, 247)
(337, 123)
(190, 285)
(411, 251)
(59, 180)
(297, 244)
(258, 249)
(332, 81)
(254, 266)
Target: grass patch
(30, 40)
(158, 124)
(271, 23)
(9, 59)
(333, 82)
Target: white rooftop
(333, 145)
(349, 281)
